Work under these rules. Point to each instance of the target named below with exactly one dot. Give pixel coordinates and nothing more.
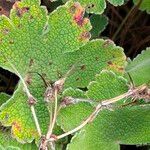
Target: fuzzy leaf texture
(33, 42)
(139, 68)
(97, 6)
(129, 125)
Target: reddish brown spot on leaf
(28, 79)
(1, 41)
(20, 11)
(83, 67)
(78, 14)
(121, 69)
(110, 63)
(77, 79)
(31, 62)
(5, 31)
(107, 43)
(85, 36)
(11, 42)
(16, 126)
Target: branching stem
(98, 108)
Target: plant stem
(36, 120)
(99, 107)
(29, 96)
(125, 19)
(51, 126)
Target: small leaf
(145, 6)
(139, 68)
(106, 86)
(99, 23)
(97, 6)
(117, 2)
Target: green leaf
(139, 68)
(90, 59)
(116, 2)
(8, 143)
(3, 98)
(73, 115)
(99, 23)
(35, 43)
(30, 41)
(145, 5)
(106, 86)
(129, 125)
(97, 6)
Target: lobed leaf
(3, 98)
(124, 125)
(73, 115)
(97, 6)
(99, 23)
(139, 68)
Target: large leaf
(139, 68)
(29, 41)
(97, 90)
(35, 43)
(128, 125)
(97, 6)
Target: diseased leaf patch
(97, 6)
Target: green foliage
(3, 98)
(99, 23)
(139, 68)
(38, 47)
(145, 5)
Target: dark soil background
(134, 37)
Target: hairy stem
(51, 126)
(36, 120)
(98, 108)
